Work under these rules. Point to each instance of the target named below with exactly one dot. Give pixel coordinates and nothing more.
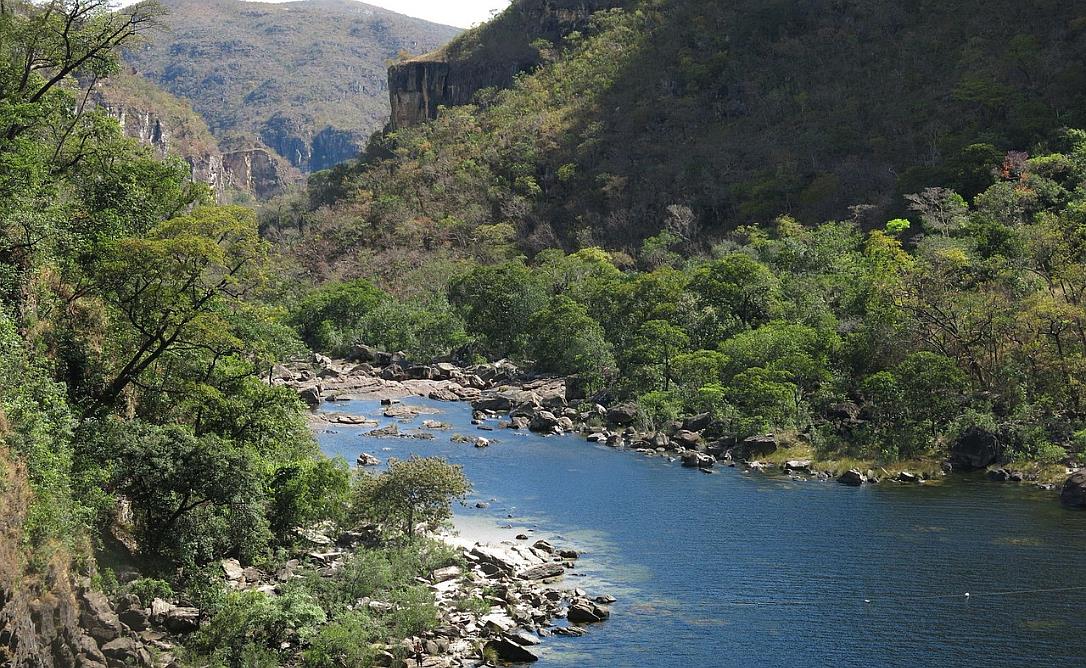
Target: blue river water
(738, 569)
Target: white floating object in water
(967, 594)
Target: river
(739, 569)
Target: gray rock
(544, 422)
(801, 465)
(507, 650)
(757, 446)
(697, 422)
(852, 478)
(908, 478)
(310, 396)
(697, 460)
(622, 415)
(126, 651)
(366, 459)
(1073, 494)
(97, 616)
(583, 611)
(136, 619)
(182, 620)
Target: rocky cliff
(488, 56)
(170, 127)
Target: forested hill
(306, 79)
(739, 112)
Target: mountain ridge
(307, 80)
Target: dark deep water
(736, 569)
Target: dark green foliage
(328, 315)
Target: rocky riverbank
(503, 396)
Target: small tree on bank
(413, 492)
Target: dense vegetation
(737, 111)
(881, 345)
(306, 79)
(136, 433)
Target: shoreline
(501, 393)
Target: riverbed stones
(544, 422)
(1073, 494)
(698, 460)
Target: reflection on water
(736, 569)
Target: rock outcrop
(170, 127)
(488, 57)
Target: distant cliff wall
(254, 171)
(488, 56)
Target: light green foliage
(412, 492)
(346, 641)
(249, 627)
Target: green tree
(327, 315)
(566, 340)
(412, 492)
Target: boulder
(97, 616)
(800, 465)
(182, 620)
(136, 619)
(999, 475)
(232, 569)
(544, 422)
(975, 448)
(622, 414)
(447, 573)
(852, 478)
(310, 396)
(541, 572)
(445, 371)
(697, 460)
(363, 353)
(366, 459)
(420, 373)
(507, 650)
(583, 611)
(519, 422)
(686, 438)
(393, 372)
(481, 442)
(1073, 494)
(908, 478)
(125, 651)
(757, 446)
(543, 546)
(697, 422)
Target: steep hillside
(707, 116)
(307, 79)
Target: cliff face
(307, 151)
(253, 171)
(488, 56)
